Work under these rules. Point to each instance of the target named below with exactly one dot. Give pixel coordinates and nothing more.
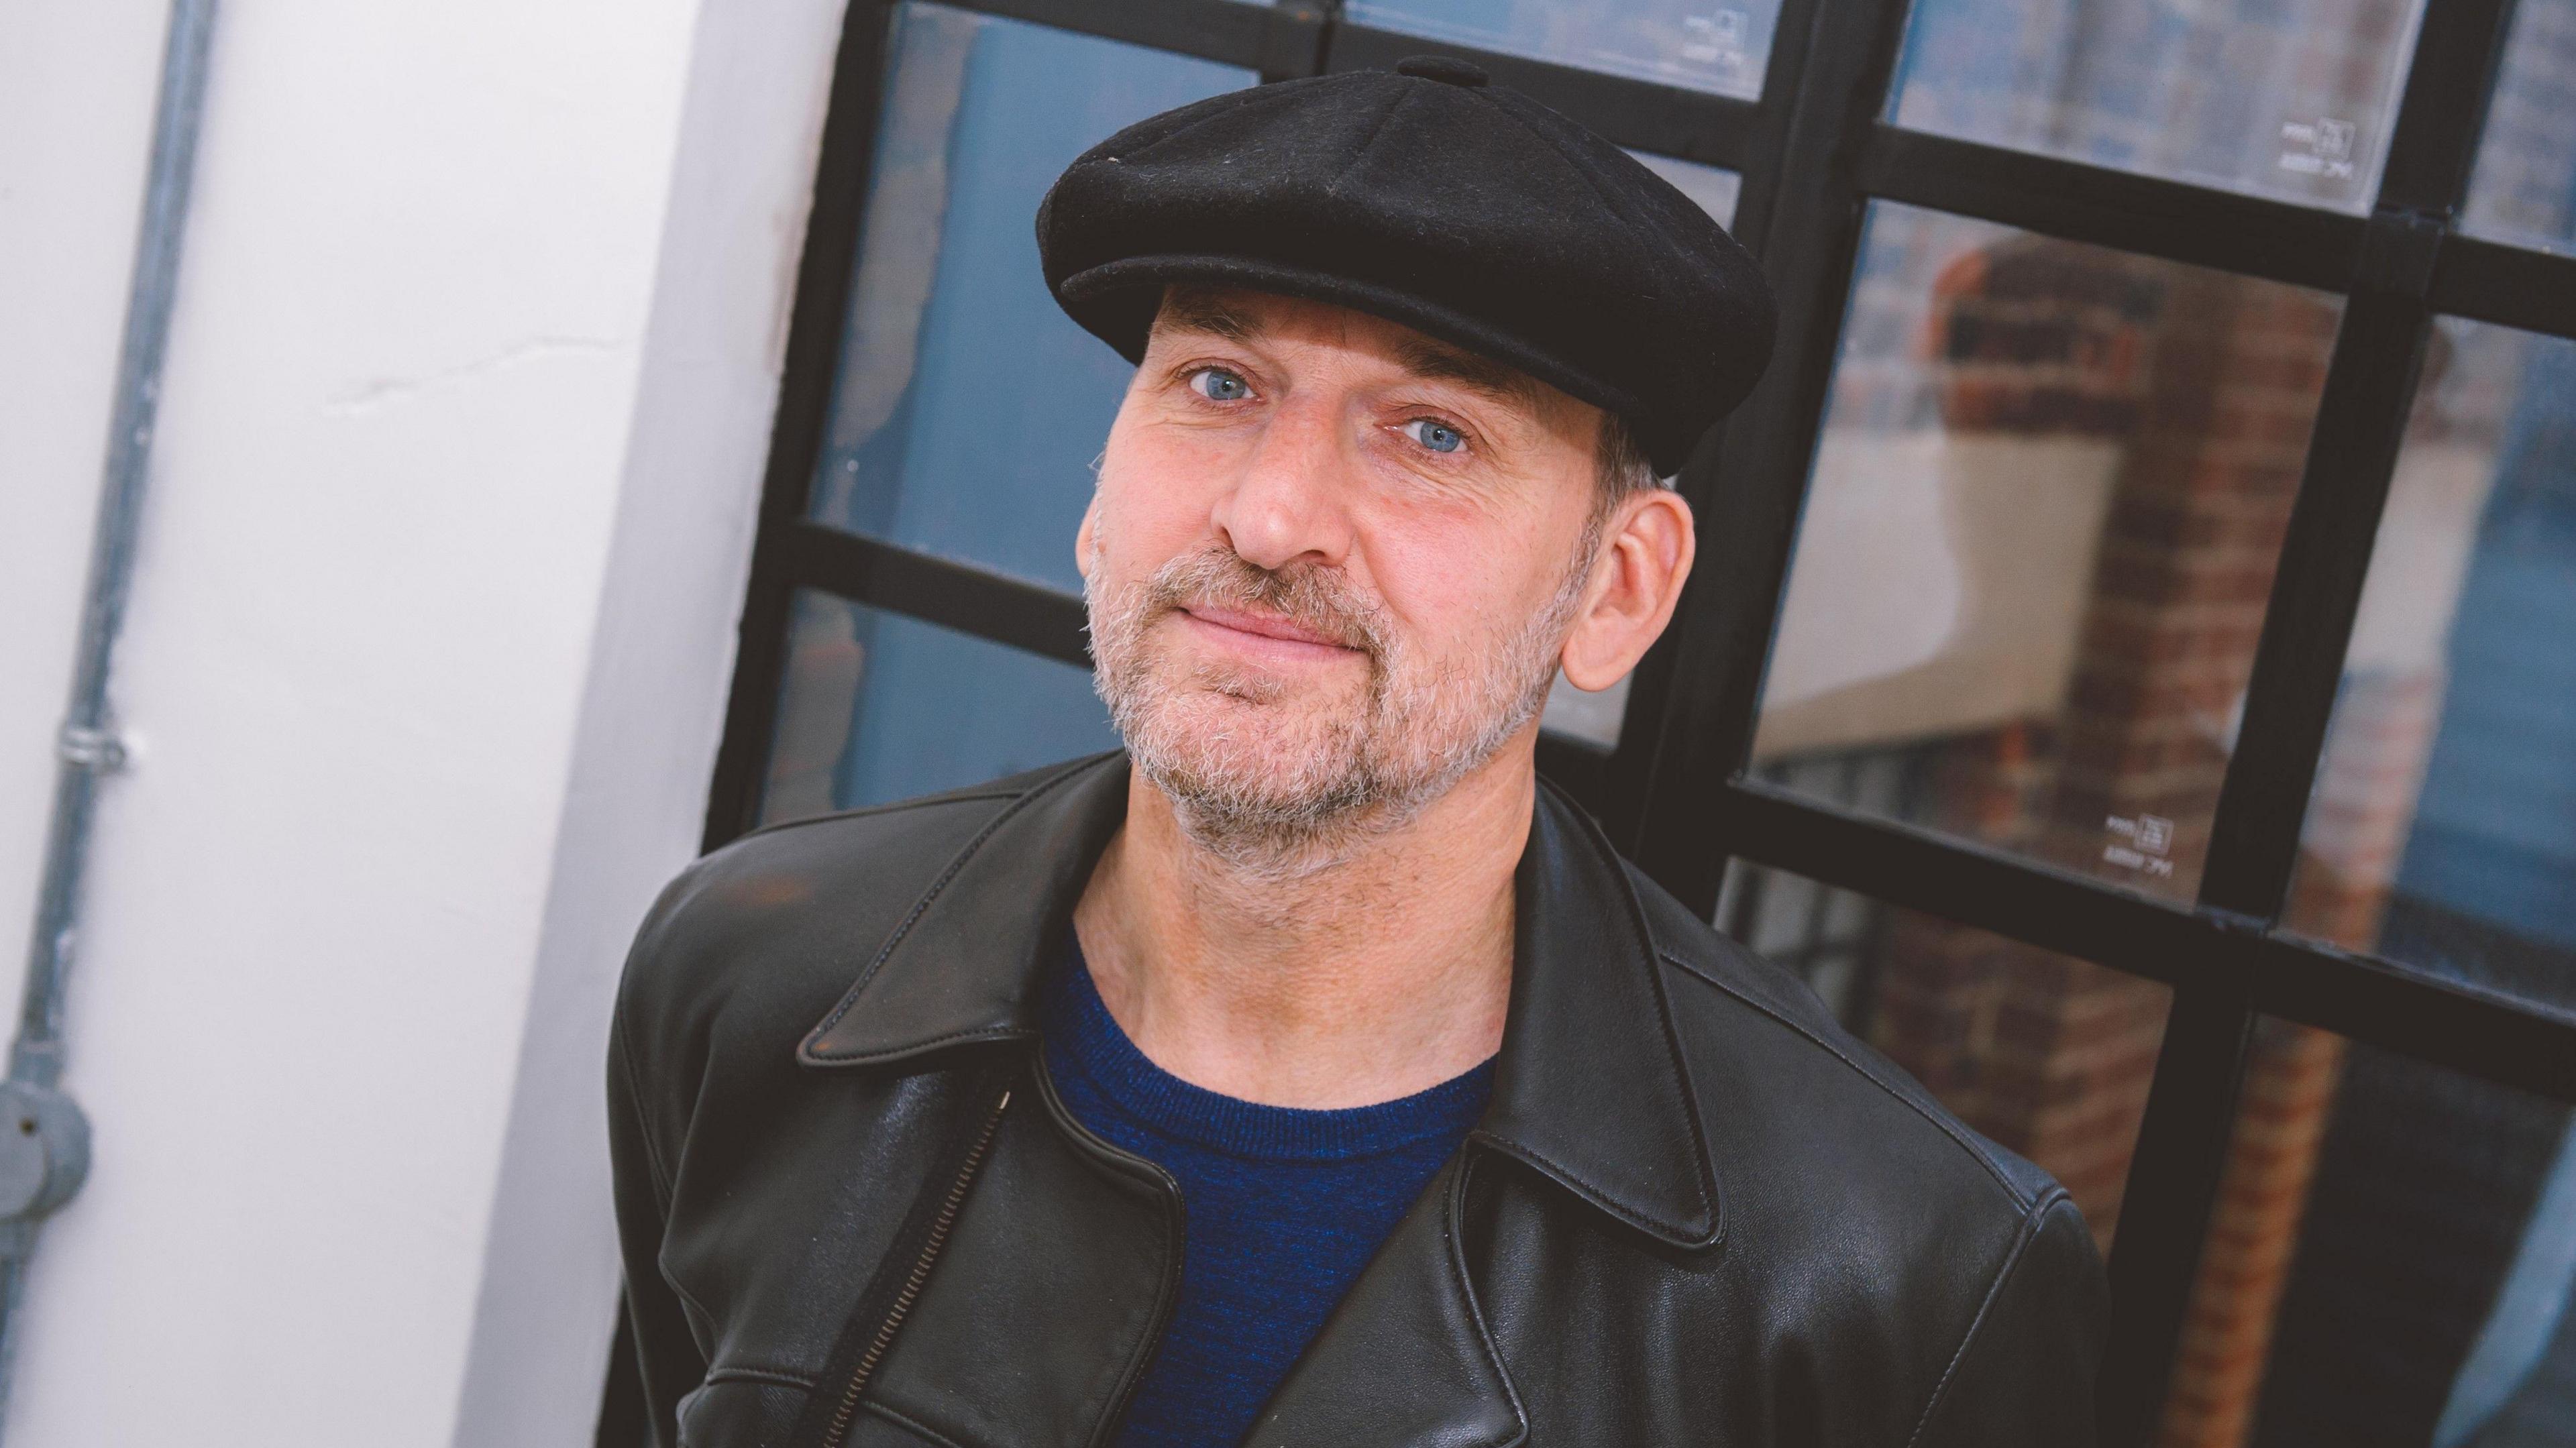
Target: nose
(1287, 502)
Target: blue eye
(1437, 436)
(1218, 385)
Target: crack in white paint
(385, 391)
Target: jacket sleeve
(2023, 1378)
(667, 1356)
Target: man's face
(1330, 564)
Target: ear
(1086, 539)
(1647, 547)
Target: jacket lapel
(1590, 1088)
(967, 963)
(1405, 1361)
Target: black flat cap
(1463, 210)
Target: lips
(1267, 625)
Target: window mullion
(1707, 676)
(823, 280)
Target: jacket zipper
(912, 1282)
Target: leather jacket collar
(1589, 1088)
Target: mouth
(1268, 636)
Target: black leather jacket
(1696, 1211)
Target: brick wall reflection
(2208, 385)
(2366, 793)
(2290, 1079)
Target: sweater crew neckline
(1089, 1039)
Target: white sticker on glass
(2140, 842)
(1714, 39)
(2322, 147)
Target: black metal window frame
(1678, 791)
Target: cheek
(1158, 489)
(1462, 578)
(1456, 584)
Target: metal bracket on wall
(44, 1157)
(99, 751)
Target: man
(1309, 1073)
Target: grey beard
(1416, 733)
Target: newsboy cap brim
(1468, 212)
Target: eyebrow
(1197, 311)
(1494, 379)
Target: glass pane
(1706, 45)
(1595, 718)
(2524, 189)
(2046, 1055)
(2443, 828)
(879, 707)
(2286, 98)
(2038, 537)
(2389, 1263)
(1713, 187)
(968, 408)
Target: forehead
(1253, 317)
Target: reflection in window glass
(2389, 1264)
(2039, 533)
(1714, 188)
(878, 707)
(2443, 828)
(2044, 1054)
(2286, 98)
(1711, 45)
(2524, 189)
(1595, 718)
(967, 408)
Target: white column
(462, 429)
(653, 706)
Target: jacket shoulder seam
(1978, 1154)
(2032, 1223)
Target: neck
(1381, 973)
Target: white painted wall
(467, 398)
(659, 665)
